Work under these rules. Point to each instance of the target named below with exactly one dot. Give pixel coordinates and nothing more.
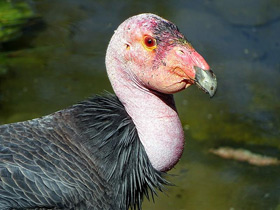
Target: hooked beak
(197, 70)
(205, 80)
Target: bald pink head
(157, 55)
(147, 60)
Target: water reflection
(61, 61)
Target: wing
(40, 166)
(86, 157)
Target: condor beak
(205, 80)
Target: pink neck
(154, 114)
(158, 126)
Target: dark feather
(86, 157)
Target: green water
(59, 60)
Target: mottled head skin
(144, 78)
(169, 67)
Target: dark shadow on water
(29, 32)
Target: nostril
(181, 52)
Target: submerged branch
(245, 156)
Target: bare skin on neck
(147, 61)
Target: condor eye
(150, 42)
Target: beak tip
(212, 94)
(213, 89)
(206, 80)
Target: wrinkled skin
(172, 58)
(148, 60)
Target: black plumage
(72, 159)
(90, 156)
